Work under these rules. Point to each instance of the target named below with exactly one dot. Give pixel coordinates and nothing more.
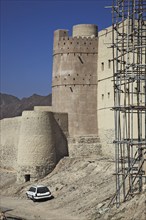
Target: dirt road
(27, 209)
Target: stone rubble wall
(84, 146)
(9, 137)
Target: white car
(38, 192)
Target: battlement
(76, 45)
(83, 40)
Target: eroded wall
(9, 137)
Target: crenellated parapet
(67, 45)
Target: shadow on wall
(60, 128)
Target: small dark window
(102, 66)
(109, 64)
(135, 90)
(108, 95)
(27, 177)
(80, 59)
(102, 96)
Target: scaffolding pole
(129, 78)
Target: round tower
(74, 84)
(85, 30)
(36, 147)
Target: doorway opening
(27, 177)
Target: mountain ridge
(11, 106)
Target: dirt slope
(84, 187)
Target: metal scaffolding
(129, 77)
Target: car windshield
(42, 190)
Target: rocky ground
(82, 189)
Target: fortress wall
(74, 86)
(60, 130)
(105, 93)
(81, 122)
(9, 136)
(43, 108)
(62, 121)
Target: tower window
(102, 66)
(71, 89)
(108, 95)
(109, 64)
(135, 90)
(102, 96)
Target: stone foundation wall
(106, 139)
(84, 146)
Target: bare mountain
(11, 106)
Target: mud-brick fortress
(80, 122)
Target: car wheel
(33, 199)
